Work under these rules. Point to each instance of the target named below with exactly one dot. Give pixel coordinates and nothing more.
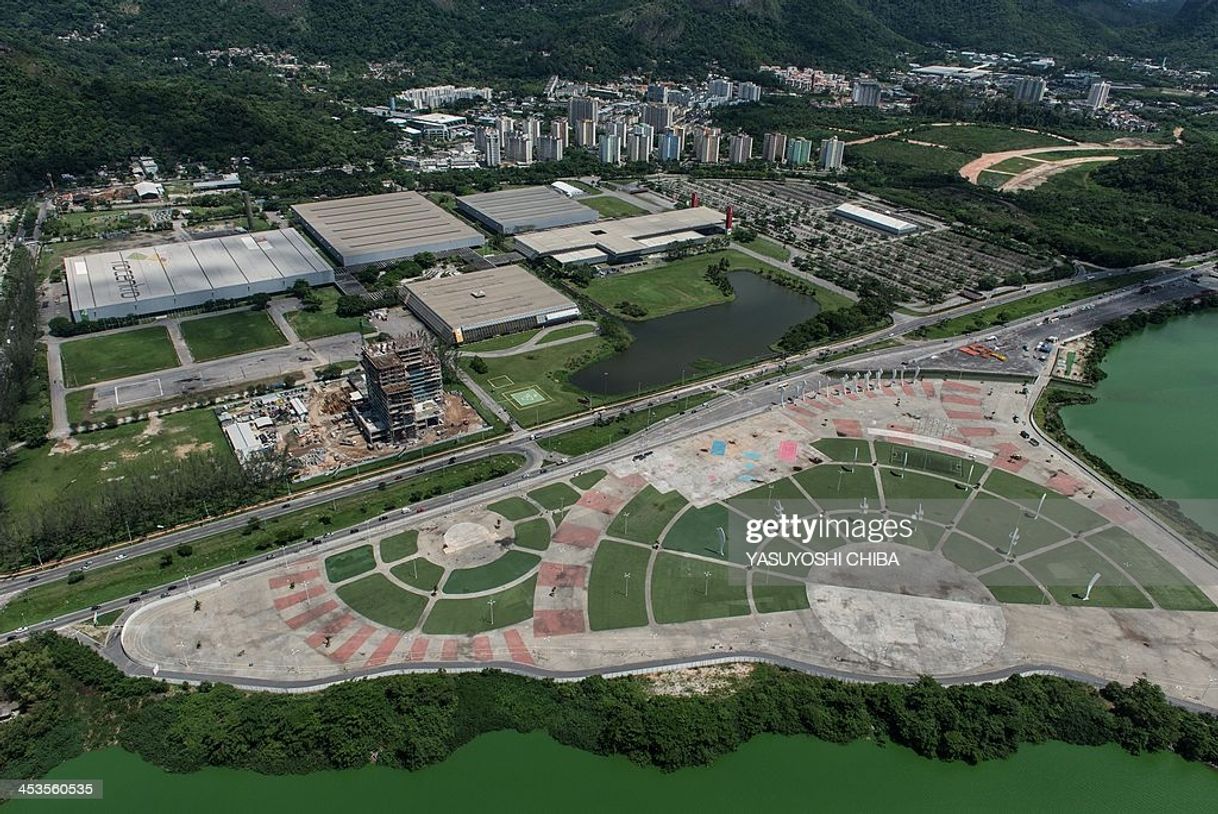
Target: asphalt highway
(730, 407)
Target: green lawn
(993, 180)
(991, 520)
(1065, 571)
(1062, 510)
(772, 594)
(1009, 584)
(513, 508)
(344, 565)
(977, 138)
(644, 517)
(230, 334)
(1016, 165)
(533, 534)
(695, 531)
(1159, 578)
(103, 357)
(586, 480)
(457, 616)
(376, 598)
(36, 476)
(891, 151)
(534, 385)
(838, 486)
(905, 491)
(770, 248)
(502, 342)
(419, 572)
(325, 322)
(106, 582)
(400, 546)
(1018, 309)
(681, 591)
(510, 567)
(847, 450)
(555, 496)
(566, 333)
(595, 436)
(927, 460)
(610, 206)
(79, 405)
(609, 605)
(969, 554)
(677, 286)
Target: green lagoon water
(1154, 418)
(510, 772)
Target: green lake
(1153, 421)
(510, 772)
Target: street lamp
(491, 603)
(626, 575)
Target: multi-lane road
(734, 405)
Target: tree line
(149, 495)
(72, 700)
(19, 362)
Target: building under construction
(403, 392)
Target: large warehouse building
(511, 211)
(481, 304)
(620, 241)
(875, 220)
(170, 276)
(384, 228)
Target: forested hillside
(83, 82)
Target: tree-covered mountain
(88, 81)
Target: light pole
(626, 524)
(1014, 540)
(706, 583)
(491, 602)
(626, 575)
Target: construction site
(392, 403)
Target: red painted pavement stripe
(284, 580)
(303, 619)
(928, 389)
(482, 648)
(908, 389)
(330, 629)
(518, 650)
(965, 415)
(383, 650)
(348, 648)
(288, 601)
(449, 652)
(967, 388)
(418, 649)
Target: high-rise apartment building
(585, 133)
(670, 147)
(558, 129)
(748, 92)
(774, 147)
(489, 146)
(657, 93)
(583, 108)
(867, 93)
(549, 148)
(799, 151)
(706, 145)
(832, 151)
(1097, 96)
(740, 150)
(659, 116)
(610, 149)
(1030, 89)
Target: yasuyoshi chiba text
(805, 529)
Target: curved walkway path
(971, 171)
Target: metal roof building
(171, 276)
(528, 209)
(622, 240)
(381, 228)
(481, 304)
(876, 220)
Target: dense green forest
(72, 700)
(1132, 214)
(86, 82)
